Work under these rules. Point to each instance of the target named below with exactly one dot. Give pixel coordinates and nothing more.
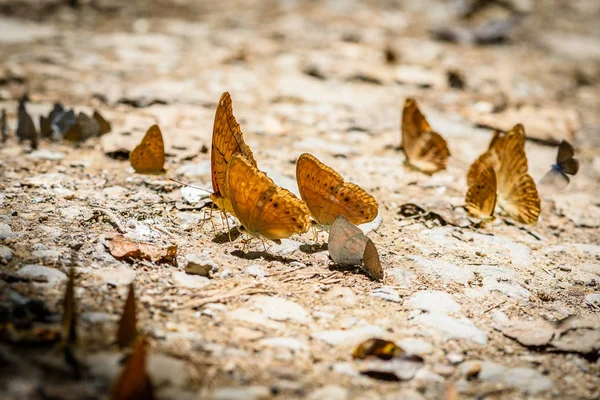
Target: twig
(111, 218)
(239, 291)
(494, 306)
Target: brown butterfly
(517, 192)
(69, 320)
(26, 129)
(565, 165)
(481, 195)
(127, 331)
(83, 129)
(424, 149)
(380, 348)
(327, 195)
(227, 140)
(133, 383)
(149, 156)
(263, 208)
(348, 245)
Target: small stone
(52, 275)
(386, 293)
(350, 336)
(46, 154)
(565, 268)
(5, 231)
(459, 328)
(434, 301)
(48, 255)
(226, 274)
(192, 195)
(279, 309)
(190, 281)
(286, 247)
(5, 255)
(200, 264)
(593, 298)
(329, 392)
(455, 358)
(246, 392)
(415, 346)
(256, 271)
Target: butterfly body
(425, 149)
(264, 209)
(327, 195)
(149, 156)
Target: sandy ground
(304, 76)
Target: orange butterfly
(133, 383)
(263, 208)
(127, 331)
(517, 192)
(424, 148)
(327, 195)
(227, 140)
(481, 196)
(149, 156)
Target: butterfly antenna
(192, 186)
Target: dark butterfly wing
(570, 166)
(565, 152)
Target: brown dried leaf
(128, 250)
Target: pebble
(593, 298)
(226, 274)
(6, 255)
(53, 275)
(453, 328)
(166, 370)
(507, 288)
(386, 293)
(190, 281)
(286, 247)
(329, 392)
(246, 392)
(434, 301)
(455, 358)
(415, 346)
(192, 195)
(525, 379)
(47, 154)
(345, 368)
(5, 231)
(350, 336)
(256, 271)
(48, 180)
(289, 343)
(200, 264)
(279, 309)
(47, 255)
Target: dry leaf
(128, 250)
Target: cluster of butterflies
(60, 124)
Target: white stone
(5, 231)
(190, 281)
(434, 301)
(453, 328)
(5, 255)
(279, 309)
(329, 392)
(53, 275)
(256, 271)
(350, 336)
(284, 342)
(46, 254)
(415, 346)
(525, 379)
(119, 276)
(386, 293)
(593, 298)
(200, 264)
(237, 393)
(47, 154)
(201, 168)
(193, 195)
(254, 318)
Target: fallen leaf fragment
(128, 250)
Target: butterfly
(127, 331)
(133, 382)
(69, 320)
(227, 140)
(327, 195)
(263, 208)
(516, 190)
(481, 195)
(565, 164)
(83, 129)
(26, 129)
(424, 148)
(348, 245)
(149, 156)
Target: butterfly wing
(371, 263)
(133, 382)
(521, 200)
(481, 197)
(346, 243)
(263, 208)
(565, 160)
(555, 178)
(149, 156)
(327, 195)
(127, 330)
(413, 125)
(227, 140)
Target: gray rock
(190, 281)
(98, 317)
(279, 309)
(200, 264)
(236, 393)
(256, 271)
(6, 255)
(453, 328)
(593, 298)
(286, 247)
(47, 180)
(345, 368)
(118, 276)
(455, 358)
(5, 231)
(226, 274)
(386, 293)
(165, 370)
(434, 301)
(48, 255)
(329, 392)
(525, 379)
(47, 154)
(350, 336)
(254, 318)
(53, 276)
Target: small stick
(494, 306)
(112, 219)
(192, 186)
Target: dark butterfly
(48, 124)
(26, 129)
(565, 165)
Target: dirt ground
(328, 78)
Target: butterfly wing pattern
(227, 140)
(149, 156)
(516, 191)
(263, 208)
(424, 148)
(481, 196)
(327, 195)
